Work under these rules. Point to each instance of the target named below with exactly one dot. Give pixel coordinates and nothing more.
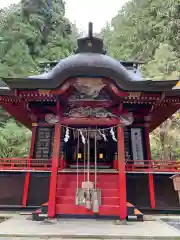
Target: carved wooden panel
(44, 141)
(127, 144)
(137, 144)
(131, 148)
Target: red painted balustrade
(20, 164)
(27, 164)
(152, 166)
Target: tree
(165, 139)
(14, 140)
(148, 30)
(31, 32)
(140, 26)
(164, 64)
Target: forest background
(35, 31)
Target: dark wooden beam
(91, 103)
(161, 114)
(90, 121)
(19, 112)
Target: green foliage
(165, 139)
(148, 30)
(140, 26)
(14, 140)
(4, 117)
(32, 31)
(164, 64)
(23, 58)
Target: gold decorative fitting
(134, 94)
(34, 124)
(89, 44)
(44, 92)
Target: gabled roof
(90, 60)
(73, 68)
(4, 89)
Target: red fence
(27, 164)
(152, 166)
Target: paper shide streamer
(82, 137)
(103, 135)
(113, 134)
(67, 136)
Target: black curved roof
(93, 65)
(90, 60)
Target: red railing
(27, 164)
(152, 166)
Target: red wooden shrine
(90, 117)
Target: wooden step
(72, 191)
(100, 178)
(71, 209)
(81, 210)
(71, 200)
(99, 183)
(104, 210)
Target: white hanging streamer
(67, 136)
(82, 137)
(101, 132)
(103, 135)
(113, 134)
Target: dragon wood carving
(88, 112)
(100, 112)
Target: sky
(83, 11)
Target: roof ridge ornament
(90, 43)
(90, 30)
(177, 86)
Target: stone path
(20, 228)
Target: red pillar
(54, 171)
(122, 173)
(151, 191)
(150, 175)
(27, 176)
